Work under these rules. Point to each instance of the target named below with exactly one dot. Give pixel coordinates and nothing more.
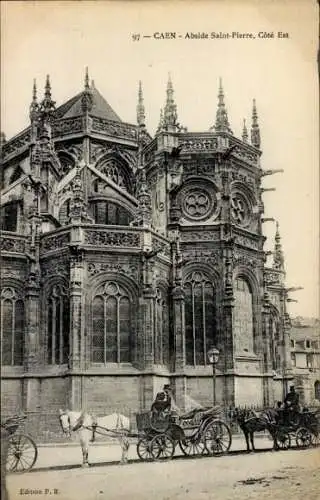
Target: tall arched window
(64, 213)
(9, 217)
(200, 318)
(105, 212)
(274, 339)
(161, 328)
(317, 390)
(58, 308)
(12, 327)
(243, 317)
(18, 172)
(111, 325)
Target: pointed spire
(222, 122)
(86, 79)
(255, 131)
(87, 98)
(278, 257)
(245, 132)
(34, 106)
(47, 105)
(141, 117)
(170, 116)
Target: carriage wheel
(303, 437)
(144, 449)
(217, 438)
(191, 446)
(283, 440)
(162, 446)
(22, 453)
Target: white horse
(114, 425)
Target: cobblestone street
(292, 475)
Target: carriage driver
(292, 399)
(163, 400)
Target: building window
(111, 325)
(317, 390)
(105, 212)
(9, 217)
(308, 344)
(12, 328)
(243, 317)
(293, 359)
(58, 325)
(200, 318)
(292, 344)
(64, 213)
(161, 329)
(309, 361)
(115, 172)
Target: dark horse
(250, 422)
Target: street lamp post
(213, 358)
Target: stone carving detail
(200, 144)
(98, 150)
(55, 267)
(203, 255)
(67, 126)
(14, 146)
(13, 244)
(273, 277)
(161, 247)
(54, 242)
(246, 260)
(114, 128)
(112, 238)
(200, 236)
(246, 155)
(246, 179)
(74, 150)
(127, 269)
(247, 242)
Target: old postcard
(160, 250)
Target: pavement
(69, 454)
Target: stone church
(127, 257)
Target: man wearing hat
(291, 404)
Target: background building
(125, 258)
(305, 356)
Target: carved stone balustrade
(11, 242)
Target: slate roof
(101, 108)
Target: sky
(62, 38)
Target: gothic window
(293, 359)
(111, 325)
(161, 329)
(9, 217)
(12, 328)
(198, 203)
(58, 325)
(239, 209)
(317, 390)
(274, 339)
(66, 161)
(243, 317)
(114, 172)
(105, 212)
(64, 213)
(200, 318)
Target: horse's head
(64, 419)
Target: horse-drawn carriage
(303, 427)
(22, 451)
(198, 432)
